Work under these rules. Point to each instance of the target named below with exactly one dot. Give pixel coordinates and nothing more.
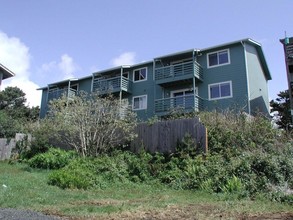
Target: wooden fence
(164, 136)
(7, 145)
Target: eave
(6, 72)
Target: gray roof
(6, 72)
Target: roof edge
(8, 72)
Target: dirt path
(191, 212)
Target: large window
(183, 98)
(218, 58)
(139, 102)
(220, 90)
(140, 74)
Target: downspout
(247, 78)
(92, 84)
(155, 85)
(120, 94)
(68, 90)
(193, 78)
(46, 108)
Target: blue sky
(44, 41)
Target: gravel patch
(15, 214)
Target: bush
(233, 185)
(54, 158)
(79, 174)
(228, 130)
(247, 157)
(102, 170)
(91, 124)
(41, 133)
(112, 168)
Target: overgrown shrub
(91, 124)
(102, 170)
(41, 133)
(247, 157)
(79, 173)
(228, 130)
(54, 158)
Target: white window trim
(77, 86)
(184, 90)
(146, 104)
(208, 61)
(125, 74)
(146, 77)
(226, 97)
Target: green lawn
(24, 188)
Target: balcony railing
(187, 102)
(179, 71)
(114, 84)
(58, 93)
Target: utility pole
(288, 52)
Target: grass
(27, 188)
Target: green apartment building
(229, 76)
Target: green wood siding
(246, 70)
(85, 84)
(145, 87)
(44, 103)
(234, 72)
(258, 90)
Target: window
(139, 102)
(126, 75)
(220, 90)
(140, 74)
(183, 98)
(218, 58)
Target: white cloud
(94, 69)
(67, 66)
(56, 71)
(15, 55)
(127, 58)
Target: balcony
(112, 85)
(185, 103)
(178, 72)
(58, 93)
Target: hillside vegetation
(249, 165)
(247, 158)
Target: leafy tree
(282, 106)
(12, 95)
(8, 126)
(14, 113)
(91, 124)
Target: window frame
(144, 106)
(184, 90)
(176, 99)
(220, 96)
(217, 53)
(139, 69)
(125, 73)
